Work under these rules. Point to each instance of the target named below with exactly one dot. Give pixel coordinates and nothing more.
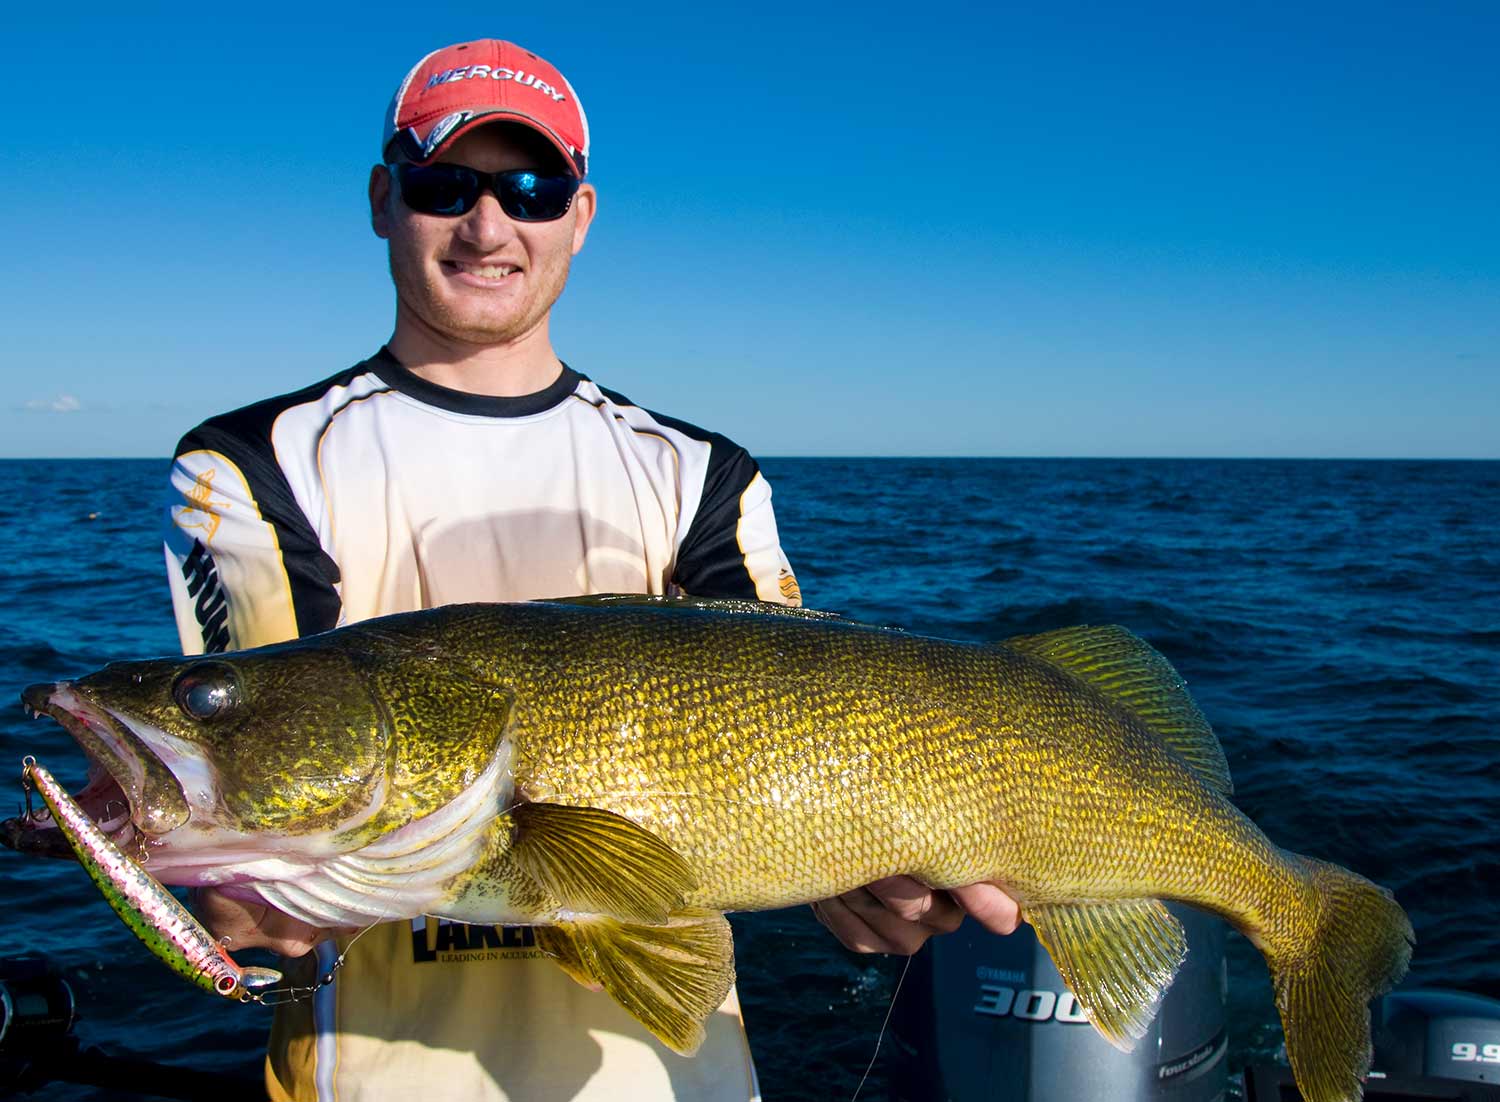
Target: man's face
(481, 277)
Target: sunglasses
(451, 190)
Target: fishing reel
(38, 1011)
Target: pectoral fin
(597, 862)
(669, 978)
(1116, 958)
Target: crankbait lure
(162, 923)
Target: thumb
(990, 906)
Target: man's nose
(486, 226)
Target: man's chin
(466, 322)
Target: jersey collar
(400, 378)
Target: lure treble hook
(26, 763)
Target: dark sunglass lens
(438, 189)
(527, 197)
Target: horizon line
(948, 457)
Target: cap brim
(499, 114)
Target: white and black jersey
(377, 492)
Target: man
(465, 462)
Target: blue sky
(1155, 229)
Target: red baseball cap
(453, 90)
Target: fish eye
(206, 692)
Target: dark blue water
(1339, 622)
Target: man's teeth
(488, 271)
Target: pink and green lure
(166, 927)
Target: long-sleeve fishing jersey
(377, 492)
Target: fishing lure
(162, 923)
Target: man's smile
(482, 274)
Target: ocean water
(1339, 623)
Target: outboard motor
(1443, 1033)
(1430, 1046)
(988, 1018)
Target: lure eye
(206, 692)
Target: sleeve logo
(202, 510)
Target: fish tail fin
(1359, 949)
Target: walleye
(621, 771)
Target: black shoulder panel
(710, 562)
(244, 437)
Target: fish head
(284, 740)
(295, 752)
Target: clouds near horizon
(62, 403)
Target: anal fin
(669, 978)
(1117, 958)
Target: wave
(1001, 574)
(1135, 556)
(28, 654)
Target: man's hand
(898, 914)
(256, 925)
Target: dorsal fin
(738, 605)
(1128, 670)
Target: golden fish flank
(624, 770)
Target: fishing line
(889, 1010)
(279, 996)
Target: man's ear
(380, 200)
(585, 203)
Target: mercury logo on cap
(453, 90)
(481, 72)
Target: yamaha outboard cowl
(1443, 1033)
(1430, 1046)
(986, 1017)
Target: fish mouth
(130, 792)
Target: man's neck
(522, 366)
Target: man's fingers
(287, 936)
(914, 901)
(862, 922)
(851, 930)
(898, 914)
(248, 925)
(990, 906)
